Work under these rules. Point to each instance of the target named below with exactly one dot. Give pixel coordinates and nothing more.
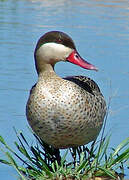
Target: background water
(100, 29)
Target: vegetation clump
(41, 161)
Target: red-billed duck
(63, 112)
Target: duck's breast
(66, 113)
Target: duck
(63, 112)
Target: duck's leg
(79, 151)
(50, 153)
(57, 155)
(54, 155)
(73, 152)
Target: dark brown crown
(57, 37)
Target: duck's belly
(65, 120)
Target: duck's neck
(45, 71)
(41, 66)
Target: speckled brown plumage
(65, 112)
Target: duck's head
(57, 46)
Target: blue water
(100, 30)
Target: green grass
(40, 161)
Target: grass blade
(121, 146)
(107, 172)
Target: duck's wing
(86, 83)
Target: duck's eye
(76, 56)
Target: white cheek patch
(53, 51)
